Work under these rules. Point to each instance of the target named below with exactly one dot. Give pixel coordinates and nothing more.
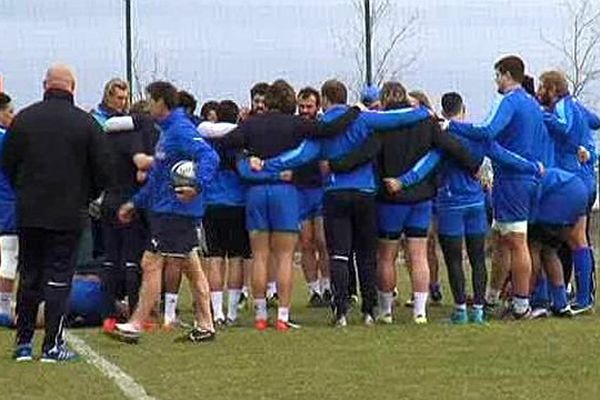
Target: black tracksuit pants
(123, 248)
(47, 265)
(350, 224)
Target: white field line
(130, 388)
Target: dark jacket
(123, 145)
(55, 158)
(269, 134)
(308, 176)
(395, 152)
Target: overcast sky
(217, 49)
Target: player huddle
(228, 200)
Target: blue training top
(7, 194)
(459, 188)
(516, 123)
(178, 141)
(509, 161)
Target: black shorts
(225, 231)
(173, 235)
(547, 234)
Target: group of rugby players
(229, 198)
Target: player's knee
(308, 244)
(385, 259)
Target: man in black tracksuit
(54, 157)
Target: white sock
(232, 303)
(325, 284)
(385, 302)
(314, 287)
(283, 314)
(492, 295)
(216, 300)
(245, 291)
(461, 307)
(6, 300)
(271, 289)
(420, 304)
(170, 307)
(260, 308)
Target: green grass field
(549, 359)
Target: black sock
(476, 252)
(566, 259)
(133, 280)
(452, 250)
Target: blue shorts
(462, 222)
(8, 220)
(310, 201)
(513, 199)
(411, 219)
(434, 206)
(590, 184)
(272, 208)
(564, 206)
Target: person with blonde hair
(115, 100)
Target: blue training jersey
(516, 122)
(226, 189)
(7, 194)
(178, 141)
(568, 128)
(459, 188)
(589, 142)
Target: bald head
(60, 76)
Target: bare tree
(145, 70)
(580, 45)
(393, 54)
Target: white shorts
(9, 256)
(505, 228)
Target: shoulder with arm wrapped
(454, 148)
(359, 156)
(394, 119)
(421, 169)
(327, 129)
(306, 152)
(508, 159)
(120, 123)
(500, 116)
